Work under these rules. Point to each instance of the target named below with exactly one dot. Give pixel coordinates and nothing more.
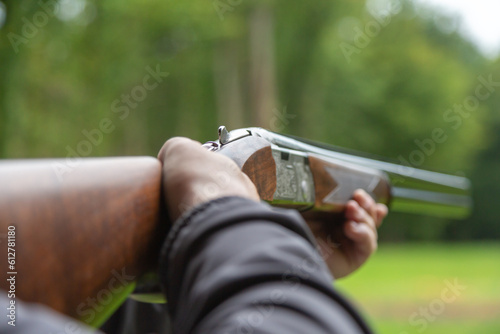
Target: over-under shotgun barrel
(319, 177)
(412, 190)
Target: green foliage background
(401, 288)
(63, 79)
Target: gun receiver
(318, 177)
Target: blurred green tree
(379, 80)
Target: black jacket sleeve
(236, 266)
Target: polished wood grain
(82, 238)
(254, 156)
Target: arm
(235, 265)
(231, 264)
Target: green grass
(401, 281)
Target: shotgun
(79, 244)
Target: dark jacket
(236, 266)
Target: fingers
(382, 211)
(375, 210)
(363, 216)
(365, 201)
(192, 175)
(364, 238)
(178, 144)
(354, 212)
(361, 227)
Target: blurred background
(85, 78)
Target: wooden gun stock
(80, 242)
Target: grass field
(429, 288)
